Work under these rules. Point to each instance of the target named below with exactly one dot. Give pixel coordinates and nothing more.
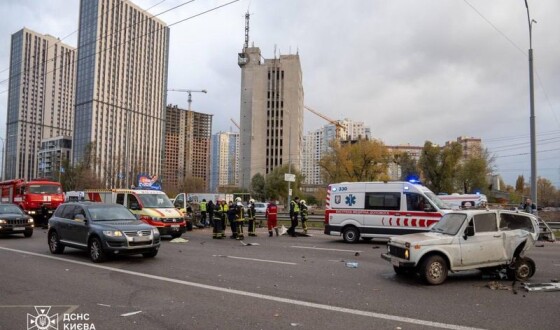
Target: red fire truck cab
(38, 197)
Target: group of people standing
(222, 213)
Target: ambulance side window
(416, 202)
(383, 201)
(120, 199)
(133, 202)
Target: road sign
(289, 177)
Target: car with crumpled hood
(465, 240)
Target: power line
(60, 40)
(133, 39)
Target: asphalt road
(282, 283)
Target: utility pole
(532, 112)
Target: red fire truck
(38, 197)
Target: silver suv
(463, 240)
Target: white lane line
(257, 295)
(324, 249)
(252, 259)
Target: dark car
(14, 221)
(101, 229)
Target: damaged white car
(464, 240)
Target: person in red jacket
(271, 218)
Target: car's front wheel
(54, 243)
(434, 270)
(96, 252)
(150, 254)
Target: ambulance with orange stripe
(151, 206)
(370, 210)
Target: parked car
(260, 207)
(14, 221)
(101, 229)
(488, 240)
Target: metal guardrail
(553, 225)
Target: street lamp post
(3, 156)
(532, 115)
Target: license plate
(175, 226)
(395, 262)
(19, 228)
(140, 239)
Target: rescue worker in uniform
(304, 215)
(223, 218)
(239, 218)
(294, 213)
(203, 213)
(271, 218)
(218, 223)
(251, 217)
(231, 218)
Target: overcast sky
(411, 70)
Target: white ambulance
(465, 201)
(380, 209)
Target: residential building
(271, 122)
(40, 99)
(120, 90)
(318, 142)
(225, 161)
(394, 169)
(52, 154)
(187, 147)
(471, 146)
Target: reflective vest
(202, 206)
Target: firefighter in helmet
(251, 217)
(220, 212)
(239, 218)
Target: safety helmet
(302, 201)
(238, 199)
(251, 200)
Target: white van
(465, 201)
(380, 209)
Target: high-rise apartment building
(225, 161)
(40, 99)
(120, 90)
(271, 123)
(318, 142)
(52, 155)
(471, 146)
(187, 147)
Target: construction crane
(340, 129)
(235, 123)
(189, 91)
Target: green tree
(472, 174)
(520, 184)
(365, 160)
(439, 166)
(407, 164)
(258, 187)
(277, 187)
(546, 192)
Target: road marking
(256, 295)
(252, 259)
(316, 248)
